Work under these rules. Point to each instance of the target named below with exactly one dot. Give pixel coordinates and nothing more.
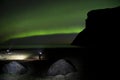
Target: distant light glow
(40, 52)
(8, 50)
(14, 56)
(17, 57)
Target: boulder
(60, 67)
(14, 68)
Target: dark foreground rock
(14, 68)
(61, 67)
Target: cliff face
(102, 29)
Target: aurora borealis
(26, 18)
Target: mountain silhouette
(102, 29)
(43, 40)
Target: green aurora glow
(47, 18)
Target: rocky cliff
(102, 29)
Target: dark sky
(26, 18)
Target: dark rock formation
(14, 68)
(61, 67)
(102, 29)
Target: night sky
(26, 18)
